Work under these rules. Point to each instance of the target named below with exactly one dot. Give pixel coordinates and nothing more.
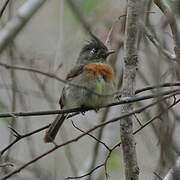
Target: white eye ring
(93, 51)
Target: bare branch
(140, 128)
(128, 89)
(80, 109)
(79, 16)
(53, 76)
(158, 176)
(173, 173)
(98, 153)
(165, 52)
(6, 164)
(4, 7)
(19, 137)
(82, 135)
(147, 88)
(174, 29)
(14, 26)
(85, 175)
(106, 146)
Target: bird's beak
(110, 52)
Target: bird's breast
(95, 70)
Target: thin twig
(82, 135)
(157, 175)
(164, 51)
(4, 7)
(14, 26)
(109, 36)
(80, 109)
(79, 16)
(53, 76)
(87, 174)
(99, 141)
(69, 153)
(117, 145)
(19, 137)
(142, 127)
(174, 29)
(147, 88)
(97, 152)
(107, 158)
(6, 164)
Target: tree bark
(128, 90)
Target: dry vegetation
(40, 42)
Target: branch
(6, 164)
(19, 137)
(158, 176)
(99, 141)
(100, 153)
(87, 174)
(142, 127)
(80, 17)
(174, 29)
(14, 26)
(149, 35)
(117, 145)
(4, 7)
(80, 109)
(53, 76)
(173, 173)
(128, 90)
(139, 110)
(147, 88)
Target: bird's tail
(54, 127)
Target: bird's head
(93, 52)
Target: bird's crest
(93, 43)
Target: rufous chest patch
(99, 69)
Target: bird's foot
(118, 98)
(96, 109)
(83, 110)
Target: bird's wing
(75, 71)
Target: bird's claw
(83, 112)
(118, 98)
(96, 110)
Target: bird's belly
(93, 95)
(96, 95)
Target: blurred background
(51, 42)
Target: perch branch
(139, 110)
(128, 90)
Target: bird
(96, 79)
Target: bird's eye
(93, 51)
